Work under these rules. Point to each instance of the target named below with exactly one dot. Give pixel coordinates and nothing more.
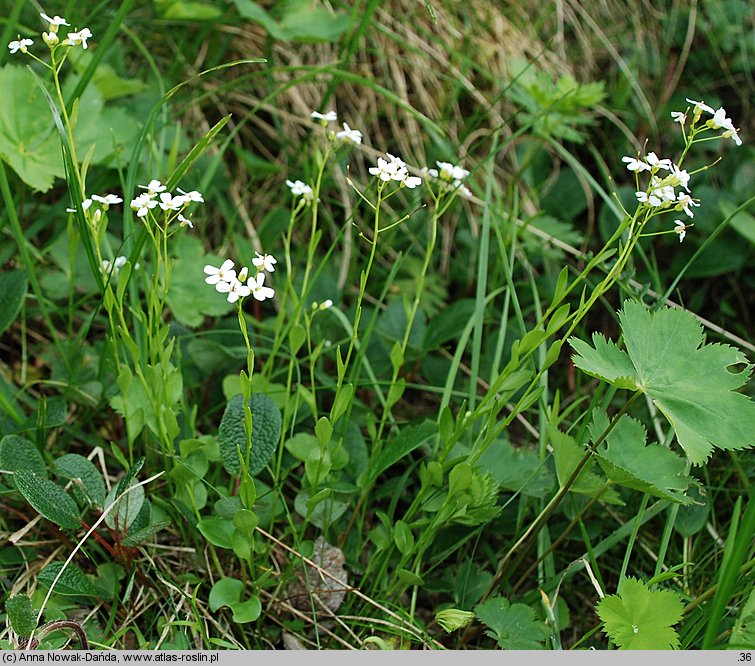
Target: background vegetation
(377, 474)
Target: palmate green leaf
(28, 141)
(640, 618)
(513, 625)
(687, 380)
(627, 461)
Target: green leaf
(28, 142)
(21, 614)
(606, 361)
(217, 531)
(48, 498)
(247, 611)
(691, 519)
(744, 628)
(18, 453)
(403, 537)
(225, 592)
(409, 439)
(13, 285)
(72, 582)
(513, 625)
(640, 618)
(266, 430)
(85, 476)
(688, 381)
(140, 536)
(126, 508)
(625, 459)
(518, 470)
(568, 455)
(449, 324)
(191, 300)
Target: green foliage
(628, 462)
(72, 582)
(21, 614)
(17, 453)
(13, 285)
(640, 618)
(513, 626)
(743, 633)
(665, 359)
(48, 499)
(227, 593)
(300, 21)
(85, 476)
(266, 429)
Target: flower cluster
(450, 176)
(156, 195)
(227, 281)
(718, 121)
(116, 265)
(394, 168)
(346, 135)
(104, 203)
(301, 189)
(50, 37)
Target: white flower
(329, 117)
(50, 38)
(412, 181)
(633, 164)
(194, 196)
(679, 117)
(700, 106)
(326, 304)
(107, 200)
(652, 199)
(680, 229)
(153, 188)
(391, 169)
(348, 134)
(463, 190)
(80, 37)
(20, 45)
(55, 22)
(243, 274)
(720, 121)
(184, 221)
(298, 188)
(258, 291)
(450, 171)
(234, 289)
(264, 262)
(679, 177)
(142, 204)
(656, 163)
(684, 202)
(169, 202)
(223, 274)
(119, 263)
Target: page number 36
(745, 656)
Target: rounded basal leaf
(126, 508)
(266, 430)
(85, 476)
(21, 614)
(19, 453)
(12, 292)
(48, 498)
(72, 581)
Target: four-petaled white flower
(700, 106)
(184, 222)
(680, 229)
(651, 198)
(80, 37)
(55, 22)
(679, 117)
(142, 204)
(391, 169)
(329, 117)
(348, 134)
(119, 263)
(107, 200)
(298, 188)
(450, 171)
(259, 291)
(194, 196)
(154, 187)
(234, 289)
(684, 202)
(50, 38)
(656, 163)
(679, 177)
(169, 202)
(412, 181)
(636, 165)
(223, 274)
(264, 262)
(20, 45)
